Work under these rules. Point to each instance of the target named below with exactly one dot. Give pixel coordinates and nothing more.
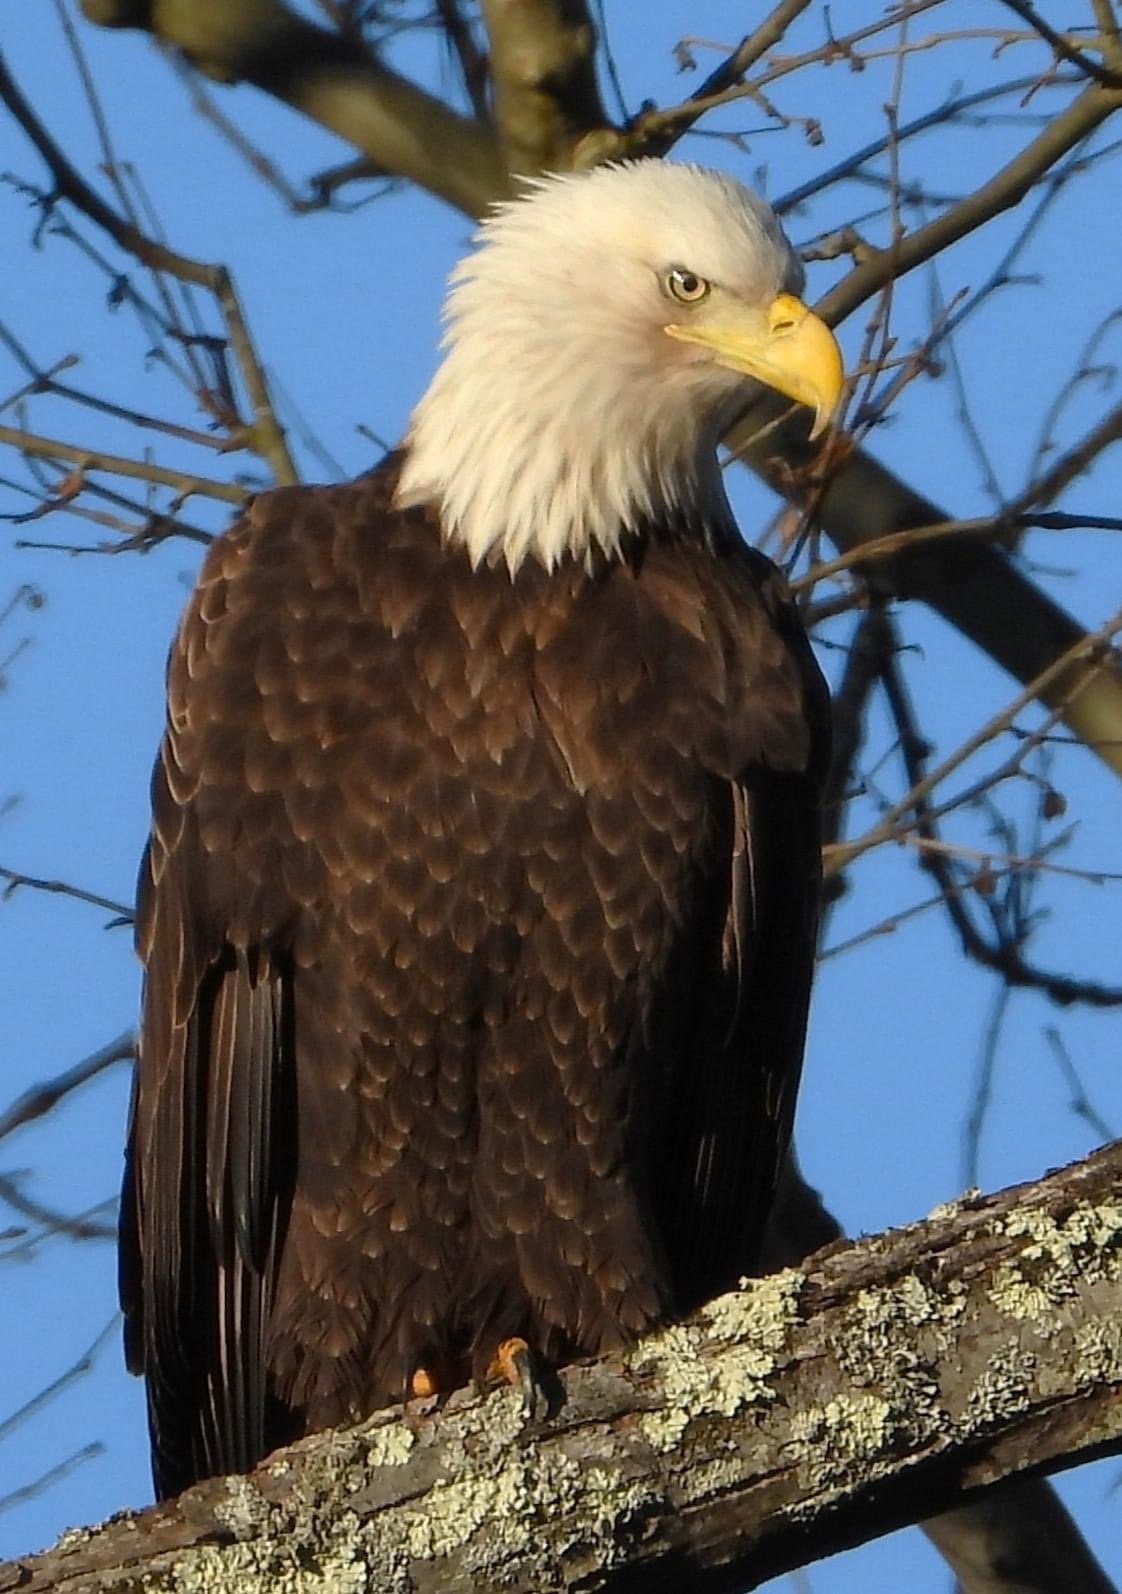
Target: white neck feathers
(559, 421)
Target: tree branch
(264, 434)
(1001, 192)
(45, 1096)
(184, 482)
(973, 584)
(331, 78)
(976, 588)
(819, 1406)
(543, 65)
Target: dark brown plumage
(478, 920)
(479, 909)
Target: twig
(885, 830)
(1001, 192)
(185, 484)
(474, 66)
(983, 1087)
(1067, 52)
(47, 1480)
(948, 111)
(45, 1097)
(1004, 956)
(1080, 1105)
(78, 1227)
(64, 1379)
(268, 439)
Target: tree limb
(543, 65)
(186, 483)
(331, 78)
(1017, 1537)
(976, 587)
(265, 433)
(811, 1409)
(973, 584)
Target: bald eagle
(479, 906)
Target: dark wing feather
(749, 951)
(211, 1150)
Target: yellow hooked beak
(787, 348)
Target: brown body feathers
(478, 919)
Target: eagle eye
(686, 286)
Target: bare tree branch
(973, 585)
(1017, 1538)
(45, 1097)
(1061, 676)
(185, 483)
(822, 1404)
(543, 55)
(334, 80)
(60, 888)
(999, 193)
(265, 434)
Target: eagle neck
(574, 479)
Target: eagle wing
(747, 951)
(211, 1146)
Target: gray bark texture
(808, 1411)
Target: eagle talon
(423, 1384)
(514, 1363)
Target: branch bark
(543, 64)
(806, 1412)
(332, 79)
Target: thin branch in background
(1009, 912)
(949, 112)
(982, 1093)
(1004, 189)
(878, 401)
(475, 72)
(267, 437)
(891, 922)
(323, 188)
(77, 1226)
(878, 340)
(28, 1243)
(154, 527)
(62, 1382)
(111, 167)
(256, 159)
(15, 880)
(185, 483)
(1065, 51)
(1061, 669)
(44, 381)
(864, 665)
(26, 596)
(47, 1480)
(307, 434)
(1037, 862)
(1080, 1103)
(44, 1097)
(1088, 368)
(940, 314)
(1002, 275)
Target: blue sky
(345, 311)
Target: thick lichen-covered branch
(807, 1411)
